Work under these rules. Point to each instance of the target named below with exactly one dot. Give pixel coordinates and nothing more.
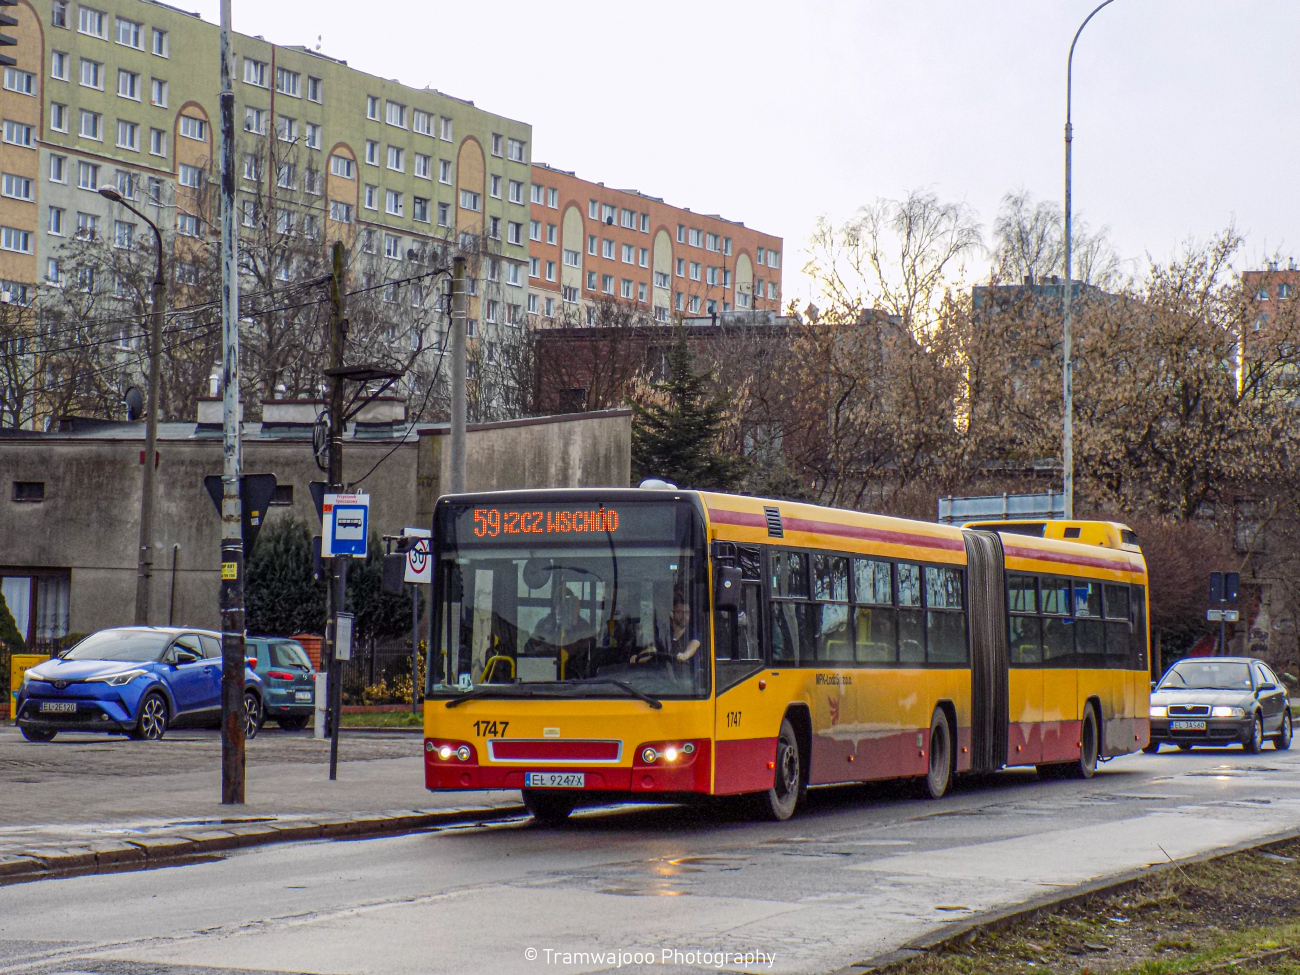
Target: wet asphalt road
(858, 872)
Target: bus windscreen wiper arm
(487, 692)
(654, 702)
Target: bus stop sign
(345, 525)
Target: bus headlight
(1221, 711)
(677, 752)
(463, 753)
(649, 756)
(1159, 711)
(444, 752)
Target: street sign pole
(345, 527)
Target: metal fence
(378, 673)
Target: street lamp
(1067, 378)
(144, 567)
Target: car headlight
(28, 677)
(1222, 711)
(1159, 711)
(117, 680)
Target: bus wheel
(780, 801)
(940, 774)
(548, 808)
(1086, 767)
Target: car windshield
(289, 655)
(598, 615)
(1223, 676)
(124, 644)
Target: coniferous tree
(282, 597)
(9, 635)
(676, 432)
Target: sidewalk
(85, 801)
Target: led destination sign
(480, 525)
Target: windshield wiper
(488, 692)
(654, 702)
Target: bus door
(1025, 677)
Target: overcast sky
(776, 113)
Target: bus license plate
(1186, 725)
(555, 780)
(59, 707)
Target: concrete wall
(89, 520)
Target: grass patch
(382, 719)
(1212, 916)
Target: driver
(564, 627)
(684, 640)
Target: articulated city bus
(591, 646)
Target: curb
(965, 931)
(173, 849)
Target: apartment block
(126, 93)
(590, 243)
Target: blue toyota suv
(133, 680)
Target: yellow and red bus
(590, 646)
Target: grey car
(1220, 701)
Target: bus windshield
(562, 601)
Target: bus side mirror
(727, 596)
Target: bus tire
(1086, 766)
(939, 777)
(548, 808)
(780, 801)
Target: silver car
(1220, 701)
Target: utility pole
(1067, 367)
(232, 542)
(457, 479)
(339, 565)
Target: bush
(281, 596)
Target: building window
(128, 135)
(315, 90)
(393, 246)
(726, 278)
(396, 114)
(552, 233)
(552, 198)
(123, 234)
(59, 14)
(628, 219)
(87, 226)
(469, 200)
(535, 230)
(255, 73)
(694, 304)
(572, 258)
(1284, 291)
(92, 74)
(58, 117)
(313, 135)
(640, 291)
(593, 210)
(494, 186)
(536, 192)
(88, 176)
(772, 290)
(695, 271)
(423, 166)
(643, 257)
(515, 150)
(372, 152)
(662, 280)
(570, 295)
(498, 145)
(773, 259)
(591, 280)
(625, 288)
(607, 214)
(516, 191)
(340, 212)
(645, 223)
(16, 240)
(445, 129)
(372, 197)
(607, 249)
(444, 171)
(591, 244)
(393, 203)
(55, 224)
(285, 176)
(494, 228)
(711, 276)
(532, 304)
(59, 65)
(550, 270)
(58, 169)
(130, 34)
(286, 128)
(252, 166)
(158, 93)
(629, 254)
(160, 42)
(607, 283)
(342, 167)
(534, 267)
(187, 225)
(681, 233)
(92, 22)
(158, 142)
(92, 124)
(22, 82)
(420, 209)
(681, 267)
(194, 128)
(397, 159)
(695, 237)
(444, 214)
(512, 274)
(711, 242)
(287, 82)
(421, 122)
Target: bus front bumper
(451, 773)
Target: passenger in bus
(683, 639)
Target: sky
(778, 113)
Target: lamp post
(144, 567)
(1067, 367)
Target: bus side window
(1138, 610)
